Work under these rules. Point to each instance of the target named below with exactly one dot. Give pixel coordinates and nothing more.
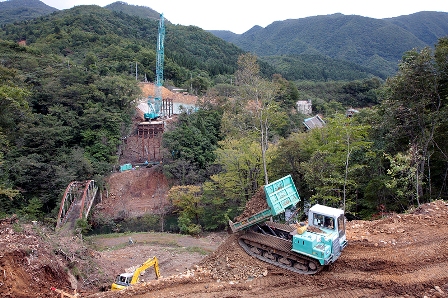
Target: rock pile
(231, 263)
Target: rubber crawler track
(278, 246)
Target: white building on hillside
(304, 107)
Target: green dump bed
(280, 195)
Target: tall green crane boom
(155, 107)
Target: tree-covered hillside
(67, 96)
(22, 10)
(375, 44)
(428, 26)
(58, 122)
(315, 67)
(113, 42)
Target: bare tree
(258, 96)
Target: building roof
(314, 122)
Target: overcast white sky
(239, 16)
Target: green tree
(439, 164)
(412, 105)
(190, 145)
(289, 155)
(12, 98)
(90, 61)
(287, 92)
(187, 203)
(373, 192)
(217, 208)
(402, 178)
(83, 226)
(242, 174)
(33, 211)
(258, 97)
(13, 107)
(337, 158)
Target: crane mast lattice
(155, 107)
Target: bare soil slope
(148, 89)
(28, 266)
(135, 192)
(33, 259)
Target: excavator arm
(149, 263)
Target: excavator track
(277, 251)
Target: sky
(239, 16)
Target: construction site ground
(399, 255)
(402, 255)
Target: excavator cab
(123, 280)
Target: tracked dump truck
(301, 248)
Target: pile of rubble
(256, 204)
(231, 263)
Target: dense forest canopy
(68, 128)
(68, 96)
(133, 10)
(114, 42)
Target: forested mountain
(115, 41)
(21, 10)
(427, 26)
(374, 44)
(300, 48)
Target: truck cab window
(329, 223)
(318, 220)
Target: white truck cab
(329, 220)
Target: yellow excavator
(126, 279)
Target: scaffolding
(149, 138)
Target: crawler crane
(155, 106)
